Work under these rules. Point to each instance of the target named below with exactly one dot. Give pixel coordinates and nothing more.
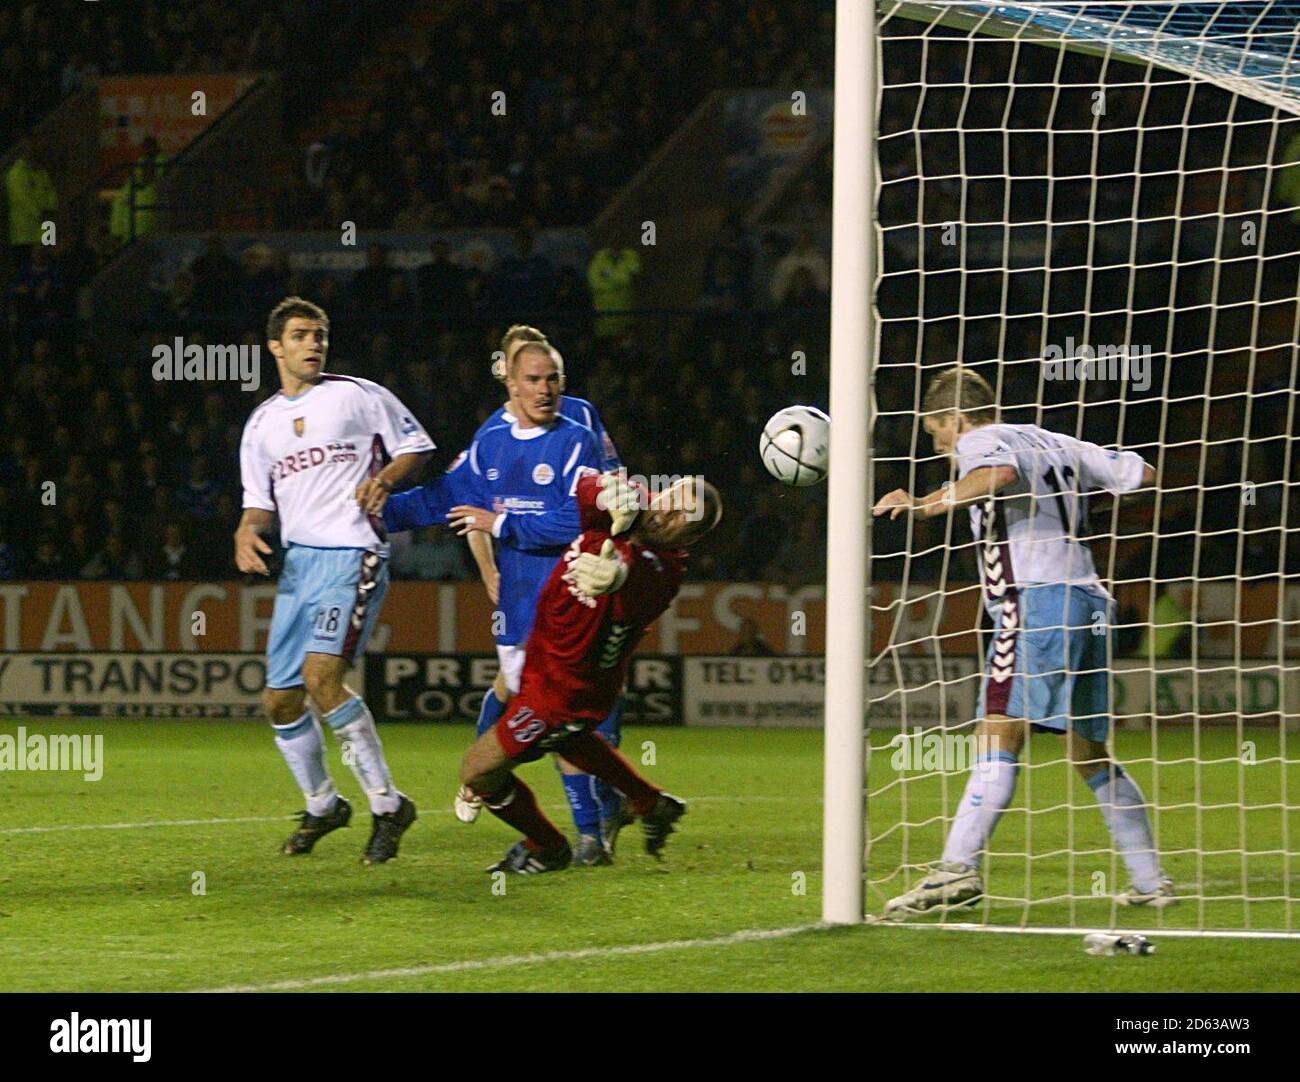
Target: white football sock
(1122, 806)
(355, 728)
(303, 747)
(988, 792)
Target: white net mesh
(1097, 208)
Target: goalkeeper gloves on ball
(593, 575)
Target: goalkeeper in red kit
(620, 573)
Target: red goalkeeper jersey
(579, 649)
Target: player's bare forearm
(250, 546)
(257, 519)
(373, 492)
(975, 486)
(480, 547)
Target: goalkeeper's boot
(591, 852)
(1159, 898)
(659, 823)
(609, 828)
(524, 861)
(312, 828)
(945, 884)
(387, 832)
(467, 804)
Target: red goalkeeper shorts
(527, 733)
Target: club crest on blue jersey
(543, 474)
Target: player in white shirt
(313, 454)
(1047, 664)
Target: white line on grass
(148, 823)
(509, 961)
(1172, 933)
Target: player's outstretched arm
(544, 530)
(373, 492)
(422, 506)
(975, 486)
(250, 546)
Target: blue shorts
(327, 602)
(1048, 660)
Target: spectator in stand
(132, 214)
(724, 286)
(217, 293)
(804, 256)
(50, 562)
(434, 555)
(77, 73)
(197, 497)
(265, 277)
(10, 565)
(750, 643)
(31, 198)
(368, 290)
(114, 561)
(82, 259)
(115, 516)
(801, 557)
(771, 249)
(520, 285)
(37, 297)
(763, 523)
(77, 480)
(570, 309)
(612, 277)
(80, 551)
(441, 285)
(151, 477)
(170, 558)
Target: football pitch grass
(165, 875)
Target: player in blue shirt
(520, 483)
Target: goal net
(1097, 208)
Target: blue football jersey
(530, 476)
(429, 504)
(575, 409)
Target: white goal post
(1095, 206)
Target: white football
(795, 445)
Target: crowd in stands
(50, 49)
(589, 88)
(107, 472)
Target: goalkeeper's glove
(594, 575)
(621, 499)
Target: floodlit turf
(115, 905)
